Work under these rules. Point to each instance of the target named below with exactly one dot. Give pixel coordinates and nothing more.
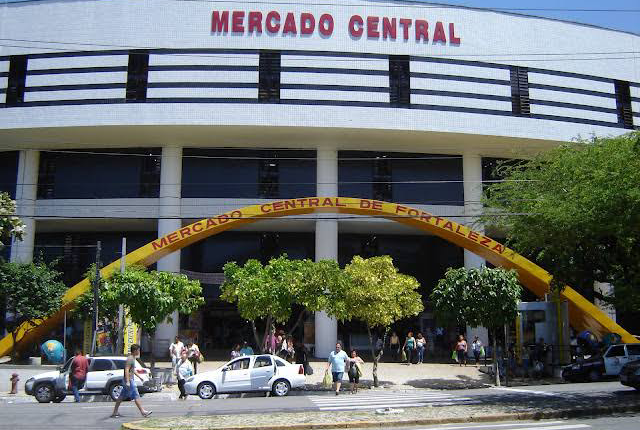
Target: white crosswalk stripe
(348, 401)
(537, 425)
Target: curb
(566, 413)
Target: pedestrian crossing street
(346, 401)
(535, 425)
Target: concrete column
(169, 221)
(326, 328)
(472, 176)
(26, 195)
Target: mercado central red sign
(305, 24)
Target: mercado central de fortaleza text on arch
(156, 119)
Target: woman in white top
(175, 350)
(183, 370)
(193, 353)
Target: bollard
(14, 383)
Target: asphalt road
(71, 416)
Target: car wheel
(45, 393)
(206, 390)
(281, 388)
(115, 391)
(60, 398)
(595, 375)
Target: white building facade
(122, 118)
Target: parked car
(105, 376)
(609, 363)
(248, 373)
(630, 374)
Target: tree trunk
(298, 321)
(495, 357)
(153, 357)
(375, 358)
(255, 336)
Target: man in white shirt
(175, 350)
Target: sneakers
(146, 414)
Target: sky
(617, 14)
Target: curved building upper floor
(366, 74)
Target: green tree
(478, 297)
(270, 292)
(375, 293)
(9, 223)
(576, 211)
(31, 292)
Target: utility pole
(120, 341)
(96, 286)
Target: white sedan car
(248, 373)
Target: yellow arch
(582, 313)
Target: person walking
(421, 344)
(394, 345)
(79, 369)
(246, 349)
(270, 341)
(235, 352)
(476, 348)
(337, 361)
(194, 355)
(183, 370)
(129, 389)
(409, 346)
(461, 350)
(355, 370)
(175, 351)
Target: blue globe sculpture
(54, 351)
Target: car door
(236, 376)
(633, 352)
(100, 371)
(62, 381)
(614, 358)
(262, 371)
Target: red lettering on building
(340, 205)
(289, 24)
(307, 23)
(302, 202)
(460, 232)
(356, 20)
(266, 208)
(422, 30)
(237, 21)
(448, 225)
(278, 206)
(389, 28)
(255, 22)
(426, 217)
(289, 204)
(314, 203)
(499, 248)
(453, 39)
(211, 223)
(438, 220)
(220, 22)
(400, 209)
(365, 204)
(413, 213)
(273, 22)
(236, 214)
(473, 235)
(197, 227)
(372, 27)
(377, 205)
(159, 244)
(173, 237)
(485, 241)
(223, 218)
(185, 231)
(406, 25)
(325, 25)
(327, 202)
(438, 33)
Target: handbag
(454, 356)
(359, 370)
(482, 351)
(327, 381)
(308, 370)
(403, 356)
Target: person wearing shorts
(337, 361)
(355, 370)
(129, 389)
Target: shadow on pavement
(462, 382)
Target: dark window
(268, 179)
(8, 172)
(100, 364)
(633, 349)
(623, 104)
(399, 81)
(382, 179)
(520, 91)
(137, 76)
(280, 363)
(616, 351)
(269, 76)
(150, 176)
(120, 364)
(263, 361)
(17, 80)
(46, 177)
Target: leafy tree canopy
(9, 224)
(477, 297)
(576, 211)
(31, 292)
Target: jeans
(181, 383)
(409, 355)
(420, 354)
(476, 355)
(76, 385)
